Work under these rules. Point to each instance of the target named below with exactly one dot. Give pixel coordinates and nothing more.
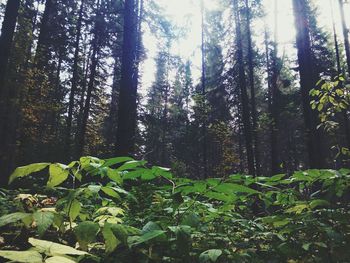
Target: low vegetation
(122, 210)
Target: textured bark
(75, 78)
(41, 54)
(127, 110)
(7, 33)
(203, 86)
(242, 82)
(252, 90)
(308, 80)
(345, 34)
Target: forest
(174, 131)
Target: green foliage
(148, 215)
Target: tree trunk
(7, 32)
(41, 54)
(90, 88)
(127, 110)
(242, 82)
(252, 90)
(345, 34)
(75, 77)
(308, 79)
(203, 80)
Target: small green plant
(95, 210)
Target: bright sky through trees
(186, 14)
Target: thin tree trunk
(75, 78)
(203, 80)
(345, 34)
(244, 95)
(41, 54)
(252, 90)
(127, 110)
(90, 88)
(308, 79)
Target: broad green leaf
(229, 188)
(319, 202)
(51, 248)
(22, 256)
(298, 209)
(74, 209)
(111, 242)
(12, 218)
(117, 160)
(131, 165)
(43, 221)
(191, 219)
(114, 176)
(210, 255)
(220, 196)
(150, 226)
(58, 174)
(27, 170)
(148, 237)
(86, 233)
(110, 192)
(59, 259)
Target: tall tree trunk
(127, 110)
(335, 38)
(90, 88)
(345, 34)
(308, 79)
(273, 73)
(75, 78)
(242, 82)
(252, 89)
(203, 80)
(41, 54)
(7, 33)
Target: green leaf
(319, 202)
(229, 188)
(150, 226)
(111, 242)
(59, 259)
(220, 196)
(27, 170)
(22, 256)
(210, 255)
(58, 174)
(43, 221)
(131, 165)
(74, 209)
(298, 209)
(148, 237)
(110, 192)
(191, 219)
(114, 176)
(51, 248)
(86, 233)
(12, 218)
(117, 160)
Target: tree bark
(203, 80)
(308, 80)
(127, 110)
(252, 90)
(75, 78)
(7, 33)
(242, 82)
(345, 34)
